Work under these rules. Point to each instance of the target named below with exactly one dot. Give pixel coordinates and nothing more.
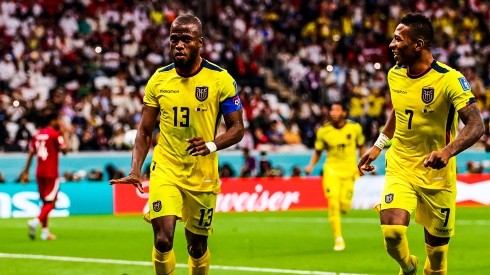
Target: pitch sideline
(141, 263)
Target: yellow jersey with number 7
(426, 107)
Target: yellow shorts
(194, 208)
(338, 190)
(435, 209)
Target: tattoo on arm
(471, 132)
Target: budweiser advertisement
(282, 194)
(241, 195)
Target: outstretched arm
(469, 135)
(142, 144)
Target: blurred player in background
(190, 96)
(341, 138)
(45, 145)
(427, 98)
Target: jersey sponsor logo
(202, 93)
(169, 91)
(427, 95)
(389, 198)
(157, 206)
(464, 84)
(399, 91)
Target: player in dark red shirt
(45, 145)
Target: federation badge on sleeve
(202, 93)
(389, 198)
(427, 95)
(157, 206)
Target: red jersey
(47, 143)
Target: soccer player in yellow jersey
(427, 97)
(341, 138)
(189, 96)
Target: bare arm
(65, 131)
(24, 175)
(471, 132)
(234, 133)
(234, 130)
(373, 152)
(362, 149)
(143, 139)
(142, 144)
(313, 161)
(389, 129)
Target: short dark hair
(189, 19)
(344, 106)
(46, 119)
(420, 27)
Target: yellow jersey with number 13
(190, 106)
(426, 109)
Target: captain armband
(381, 141)
(211, 146)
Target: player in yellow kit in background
(190, 96)
(427, 98)
(341, 138)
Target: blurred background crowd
(91, 59)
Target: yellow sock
(436, 262)
(334, 216)
(397, 245)
(336, 226)
(163, 263)
(200, 266)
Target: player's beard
(187, 64)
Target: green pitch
(243, 243)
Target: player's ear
(420, 44)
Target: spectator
(291, 135)
(249, 165)
(284, 50)
(227, 171)
(274, 134)
(23, 135)
(296, 171)
(265, 166)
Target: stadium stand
(91, 59)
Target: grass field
(243, 243)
